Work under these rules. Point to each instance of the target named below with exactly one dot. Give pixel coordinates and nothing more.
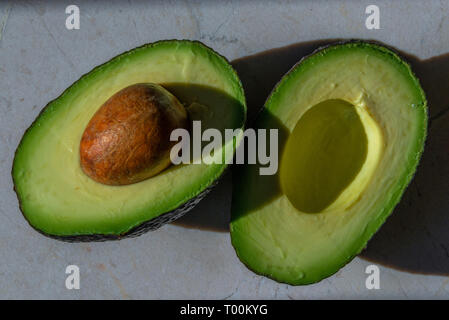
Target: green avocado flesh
(57, 198)
(352, 121)
(334, 126)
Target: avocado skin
(394, 200)
(149, 225)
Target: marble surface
(39, 58)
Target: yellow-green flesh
(58, 198)
(313, 179)
(352, 122)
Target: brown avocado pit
(128, 138)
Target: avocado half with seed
(352, 121)
(118, 182)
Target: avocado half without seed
(352, 120)
(95, 164)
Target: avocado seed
(128, 138)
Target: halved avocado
(352, 121)
(60, 200)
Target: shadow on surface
(415, 237)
